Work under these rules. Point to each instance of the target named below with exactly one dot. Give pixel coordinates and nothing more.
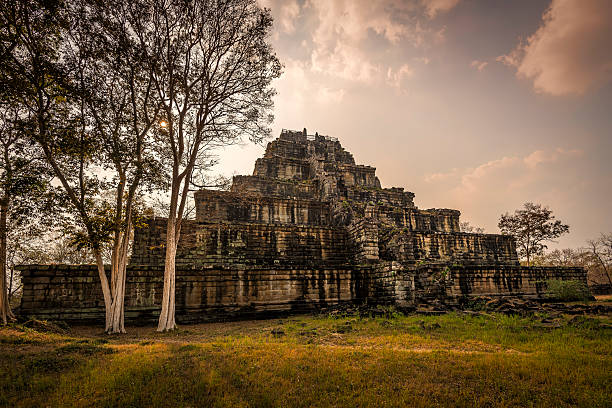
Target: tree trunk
(118, 295)
(528, 258)
(601, 261)
(606, 272)
(5, 308)
(105, 289)
(120, 269)
(166, 317)
(10, 285)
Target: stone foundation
(72, 292)
(308, 229)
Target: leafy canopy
(532, 226)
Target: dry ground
(450, 360)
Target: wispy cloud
(479, 65)
(435, 7)
(395, 77)
(571, 52)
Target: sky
(476, 105)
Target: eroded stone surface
(308, 229)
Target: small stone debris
(276, 332)
(429, 326)
(46, 326)
(518, 306)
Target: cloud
(438, 177)
(344, 61)
(326, 95)
(471, 180)
(479, 65)
(343, 27)
(285, 13)
(504, 173)
(396, 77)
(483, 192)
(299, 87)
(360, 40)
(289, 13)
(542, 156)
(352, 39)
(571, 52)
(433, 7)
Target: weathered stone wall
(273, 187)
(507, 280)
(72, 293)
(214, 206)
(363, 234)
(203, 244)
(388, 199)
(464, 248)
(409, 285)
(283, 168)
(310, 228)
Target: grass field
(450, 360)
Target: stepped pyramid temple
(308, 230)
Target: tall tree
(532, 227)
(213, 69)
(76, 70)
(119, 107)
(23, 177)
(23, 180)
(601, 251)
(32, 34)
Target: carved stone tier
(308, 229)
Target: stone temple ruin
(308, 230)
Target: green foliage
(566, 290)
(532, 227)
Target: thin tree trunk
(528, 258)
(166, 316)
(605, 268)
(105, 289)
(601, 261)
(10, 285)
(173, 232)
(118, 306)
(5, 308)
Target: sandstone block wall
(213, 206)
(72, 292)
(203, 245)
(273, 187)
(309, 228)
(419, 247)
(408, 285)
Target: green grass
(448, 360)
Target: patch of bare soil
(201, 332)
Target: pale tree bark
(6, 314)
(109, 95)
(106, 293)
(213, 71)
(595, 245)
(166, 316)
(113, 293)
(119, 260)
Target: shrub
(566, 290)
